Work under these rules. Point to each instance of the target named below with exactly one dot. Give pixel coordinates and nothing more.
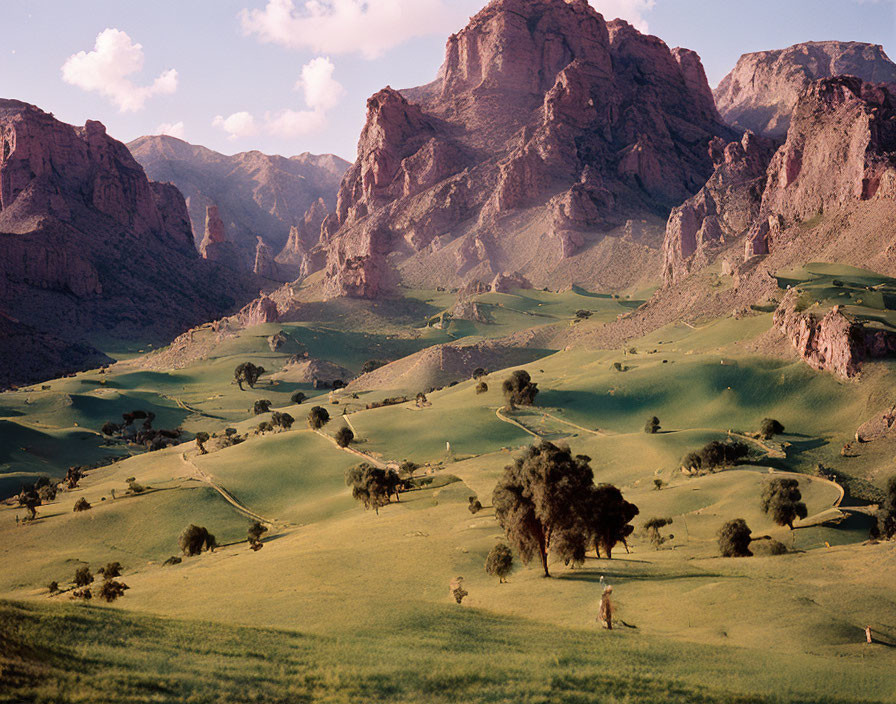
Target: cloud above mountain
(108, 70)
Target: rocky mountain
(551, 144)
(762, 90)
(90, 244)
(256, 194)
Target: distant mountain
(762, 90)
(552, 144)
(91, 246)
(256, 194)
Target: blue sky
(261, 74)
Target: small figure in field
(605, 613)
(457, 589)
(868, 637)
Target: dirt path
(506, 419)
(205, 478)
(369, 458)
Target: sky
(289, 76)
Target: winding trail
(363, 455)
(206, 478)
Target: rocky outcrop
(258, 194)
(762, 90)
(260, 311)
(265, 266)
(215, 246)
(89, 243)
(319, 372)
(302, 253)
(878, 427)
(723, 210)
(506, 283)
(834, 342)
(546, 130)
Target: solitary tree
(481, 388)
(111, 589)
(653, 526)
(201, 439)
(543, 494)
(110, 570)
(195, 539)
(769, 427)
(519, 389)
(652, 426)
(886, 517)
(734, 539)
(499, 562)
(298, 397)
(81, 505)
(318, 417)
(256, 530)
(282, 420)
(344, 436)
(83, 576)
(609, 518)
(30, 499)
(781, 499)
(475, 505)
(247, 373)
(261, 406)
(370, 485)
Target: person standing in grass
(605, 612)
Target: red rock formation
(505, 283)
(762, 90)
(724, 209)
(258, 194)
(89, 243)
(535, 98)
(215, 245)
(303, 253)
(833, 343)
(265, 265)
(260, 311)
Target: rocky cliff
(256, 194)
(547, 132)
(90, 243)
(838, 160)
(762, 90)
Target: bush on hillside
(261, 406)
(481, 388)
(734, 539)
(111, 589)
(652, 426)
(475, 505)
(653, 526)
(318, 417)
(716, 454)
(201, 439)
(519, 389)
(81, 505)
(499, 562)
(195, 539)
(344, 436)
(247, 373)
(83, 577)
(769, 427)
(298, 398)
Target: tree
(111, 589)
(481, 388)
(30, 499)
(81, 505)
(782, 500)
(541, 496)
(478, 373)
(734, 539)
(652, 426)
(519, 389)
(256, 530)
(475, 505)
(653, 526)
(112, 569)
(769, 427)
(716, 454)
(344, 436)
(499, 562)
(371, 365)
(201, 439)
(53, 587)
(47, 492)
(282, 420)
(610, 517)
(421, 400)
(370, 485)
(265, 427)
(298, 398)
(109, 428)
(318, 418)
(248, 373)
(83, 576)
(583, 314)
(886, 516)
(261, 406)
(195, 539)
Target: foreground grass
(442, 654)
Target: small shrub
(83, 593)
(256, 530)
(112, 569)
(261, 406)
(344, 436)
(481, 388)
(457, 589)
(769, 427)
(658, 484)
(652, 426)
(83, 577)
(479, 372)
(173, 560)
(298, 398)
(583, 314)
(475, 505)
(111, 589)
(81, 505)
(201, 439)
(499, 562)
(135, 488)
(282, 420)
(769, 547)
(53, 587)
(653, 526)
(195, 539)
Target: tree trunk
(544, 562)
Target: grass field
(344, 605)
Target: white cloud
(370, 27)
(172, 129)
(322, 93)
(107, 69)
(240, 124)
(632, 11)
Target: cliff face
(762, 90)
(547, 130)
(89, 243)
(256, 194)
(832, 343)
(839, 159)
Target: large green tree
(782, 500)
(519, 389)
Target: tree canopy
(734, 539)
(318, 417)
(499, 562)
(247, 373)
(519, 389)
(782, 500)
(195, 539)
(886, 518)
(371, 485)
